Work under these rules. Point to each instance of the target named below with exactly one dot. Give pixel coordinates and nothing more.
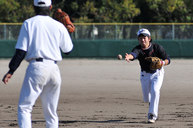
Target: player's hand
(6, 78)
(127, 57)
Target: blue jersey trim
(134, 55)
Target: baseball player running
(39, 42)
(151, 80)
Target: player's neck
(147, 47)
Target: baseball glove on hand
(155, 62)
(63, 17)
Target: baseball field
(105, 93)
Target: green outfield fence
(109, 39)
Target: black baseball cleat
(151, 119)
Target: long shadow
(105, 121)
(14, 122)
(89, 121)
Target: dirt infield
(106, 94)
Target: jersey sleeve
(66, 44)
(135, 52)
(162, 53)
(23, 38)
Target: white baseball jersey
(35, 32)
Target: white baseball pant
(151, 85)
(41, 79)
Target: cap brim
(144, 34)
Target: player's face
(144, 41)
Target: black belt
(41, 60)
(150, 71)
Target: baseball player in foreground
(40, 40)
(152, 57)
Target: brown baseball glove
(155, 62)
(63, 17)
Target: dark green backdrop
(110, 48)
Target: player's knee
(155, 93)
(24, 109)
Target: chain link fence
(113, 31)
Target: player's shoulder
(49, 20)
(137, 47)
(154, 44)
(34, 18)
(157, 46)
(56, 23)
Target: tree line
(105, 11)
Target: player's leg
(50, 97)
(145, 85)
(30, 91)
(157, 81)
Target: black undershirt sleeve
(16, 60)
(67, 53)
